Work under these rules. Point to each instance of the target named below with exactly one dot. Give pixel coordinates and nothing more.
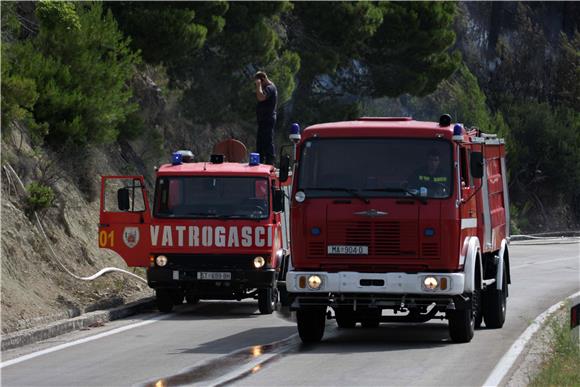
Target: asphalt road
(230, 342)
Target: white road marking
(544, 262)
(81, 341)
(508, 360)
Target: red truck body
(364, 239)
(213, 232)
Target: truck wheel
(267, 300)
(461, 325)
(345, 318)
(164, 300)
(311, 323)
(495, 305)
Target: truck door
(125, 218)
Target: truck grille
(316, 249)
(389, 239)
(430, 250)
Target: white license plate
(212, 275)
(348, 250)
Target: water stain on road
(239, 364)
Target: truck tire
(461, 325)
(495, 305)
(267, 299)
(164, 299)
(311, 322)
(345, 318)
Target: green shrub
(71, 78)
(39, 197)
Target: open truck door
(125, 218)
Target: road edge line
(82, 341)
(33, 335)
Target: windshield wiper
(352, 191)
(414, 193)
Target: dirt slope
(35, 289)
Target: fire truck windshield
(220, 197)
(375, 167)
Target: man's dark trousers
(265, 140)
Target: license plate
(212, 275)
(348, 250)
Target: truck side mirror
(476, 165)
(278, 200)
(284, 168)
(123, 199)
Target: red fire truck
(214, 231)
(398, 216)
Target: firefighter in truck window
(431, 176)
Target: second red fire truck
(394, 219)
(213, 232)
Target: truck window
(211, 197)
(465, 175)
(136, 202)
(376, 167)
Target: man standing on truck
(431, 176)
(267, 96)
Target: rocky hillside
(35, 287)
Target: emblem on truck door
(372, 213)
(131, 236)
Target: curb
(33, 335)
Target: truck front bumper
(375, 283)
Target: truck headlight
(314, 282)
(259, 262)
(161, 260)
(430, 283)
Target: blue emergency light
(295, 133)
(295, 128)
(176, 158)
(254, 159)
(458, 130)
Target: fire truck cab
(212, 231)
(376, 228)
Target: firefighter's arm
(260, 94)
